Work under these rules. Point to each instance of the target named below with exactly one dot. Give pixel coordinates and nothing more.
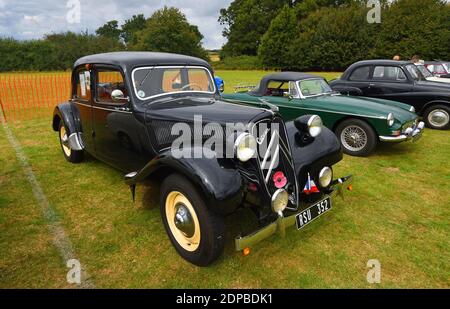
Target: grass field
(397, 213)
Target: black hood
(184, 109)
(433, 86)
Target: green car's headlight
(390, 119)
(412, 109)
(245, 147)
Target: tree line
(332, 34)
(166, 30)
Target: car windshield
(313, 87)
(150, 82)
(414, 72)
(425, 72)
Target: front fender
(323, 150)
(221, 186)
(69, 115)
(71, 119)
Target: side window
(388, 73)
(83, 87)
(361, 73)
(276, 88)
(293, 90)
(107, 81)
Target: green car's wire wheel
(438, 117)
(356, 137)
(74, 156)
(196, 232)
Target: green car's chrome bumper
(413, 133)
(338, 188)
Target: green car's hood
(364, 106)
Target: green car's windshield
(425, 72)
(314, 87)
(414, 72)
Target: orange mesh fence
(26, 96)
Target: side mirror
(117, 95)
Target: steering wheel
(192, 85)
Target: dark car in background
(399, 81)
(127, 108)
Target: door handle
(371, 85)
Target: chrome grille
(274, 154)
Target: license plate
(306, 216)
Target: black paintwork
(420, 94)
(132, 136)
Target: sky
(27, 19)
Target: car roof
(383, 62)
(281, 77)
(130, 60)
(289, 76)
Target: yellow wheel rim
(183, 221)
(64, 141)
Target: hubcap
(182, 220)
(64, 141)
(438, 118)
(353, 138)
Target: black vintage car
(130, 109)
(398, 81)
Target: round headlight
(280, 200)
(315, 125)
(390, 119)
(325, 177)
(245, 147)
(412, 109)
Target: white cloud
(33, 18)
(30, 19)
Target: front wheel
(73, 156)
(196, 233)
(437, 117)
(356, 137)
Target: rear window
(388, 73)
(361, 73)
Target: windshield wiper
(145, 77)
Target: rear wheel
(196, 233)
(437, 117)
(356, 137)
(73, 156)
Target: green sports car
(358, 122)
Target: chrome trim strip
(314, 109)
(103, 108)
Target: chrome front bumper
(413, 133)
(338, 188)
